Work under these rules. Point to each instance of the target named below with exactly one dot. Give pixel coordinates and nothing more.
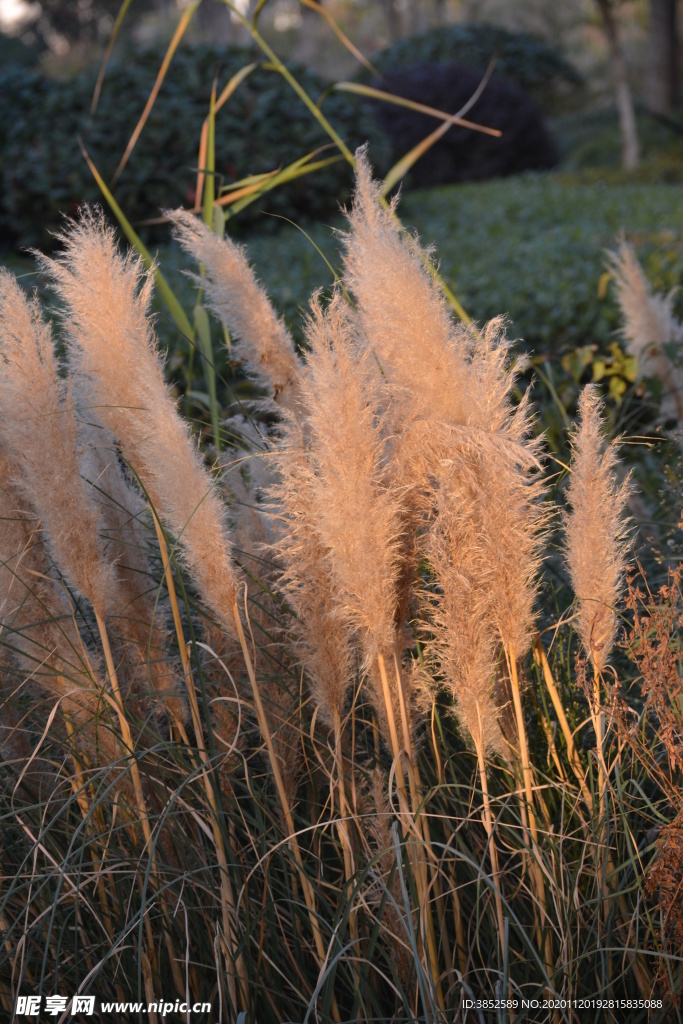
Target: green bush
(263, 126)
(535, 66)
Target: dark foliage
(531, 63)
(462, 154)
(263, 126)
(83, 22)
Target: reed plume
(39, 429)
(596, 534)
(464, 640)
(240, 302)
(37, 629)
(113, 346)
(507, 488)
(650, 328)
(448, 385)
(403, 316)
(355, 510)
(322, 638)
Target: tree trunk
(662, 77)
(440, 12)
(393, 20)
(627, 119)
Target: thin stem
(125, 730)
(549, 679)
(536, 871)
(493, 852)
(342, 826)
(238, 974)
(284, 802)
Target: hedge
(263, 126)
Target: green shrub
(263, 126)
(534, 65)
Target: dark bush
(531, 63)
(463, 154)
(263, 126)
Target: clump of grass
(354, 620)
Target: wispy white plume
(112, 344)
(239, 301)
(650, 328)
(596, 531)
(38, 427)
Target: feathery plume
(596, 534)
(403, 316)
(357, 514)
(112, 344)
(464, 640)
(240, 302)
(36, 628)
(39, 429)
(353, 511)
(322, 637)
(504, 489)
(650, 325)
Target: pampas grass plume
(112, 344)
(322, 639)
(649, 326)
(403, 316)
(463, 643)
(595, 530)
(357, 515)
(240, 302)
(39, 429)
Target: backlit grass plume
(112, 344)
(464, 643)
(595, 530)
(506, 488)
(322, 636)
(357, 514)
(239, 301)
(40, 431)
(37, 627)
(403, 316)
(650, 328)
(355, 511)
